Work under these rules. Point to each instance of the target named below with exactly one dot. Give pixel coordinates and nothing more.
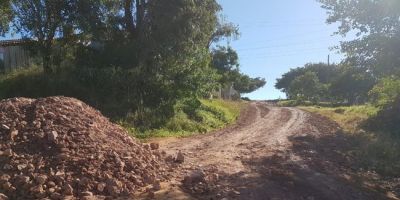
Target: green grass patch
(294, 103)
(210, 115)
(377, 151)
(350, 118)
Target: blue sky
(277, 35)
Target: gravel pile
(59, 148)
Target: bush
(387, 120)
(385, 92)
(210, 115)
(114, 91)
(246, 99)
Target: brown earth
(60, 148)
(271, 153)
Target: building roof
(16, 42)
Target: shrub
(385, 92)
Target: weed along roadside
(211, 115)
(376, 152)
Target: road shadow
(316, 166)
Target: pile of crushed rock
(58, 148)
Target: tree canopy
(377, 27)
(225, 61)
(140, 56)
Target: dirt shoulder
(271, 153)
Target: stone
(5, 127)
(151, 195)
(86, 194)
(194, 178)
(169, 159)
(180, 158)
(8, 152)
(157, 185)
(92, 198)
(51, 190)
(41, 179)
(154, 146)
(8, 167)
(37, 190)
(55, 196)
(68, 190)
(51, 148)
(22, 179)
(101, 187)
(52, 136)
(21, 167)
(13, 134)
(3, 197)
(51, 184)
(7, 186)
(113, 190)
(5, 177)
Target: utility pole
(329, 60)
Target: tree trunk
(47, 64)
(46, 58)
(130, 26)
(140, 9)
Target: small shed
(14, 55)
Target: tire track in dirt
(271, 153)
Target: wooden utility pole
(329, 60)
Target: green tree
(324, 72)
(377, 27)
(222, 31)
(226, 61)
(352, 84)
(246, 84)
(385, 92)
(307, 87)
(42, 20)
(5, 17)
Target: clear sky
(277, 35)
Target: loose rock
(69, 147)
(52, 136)
(3, 197)
(68, 190)
(154, 146)
(180, 158)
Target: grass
(375, 151)
(292, 103)
(349, 118)
(211, 115)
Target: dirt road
(271, 153)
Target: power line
(303, 43)
(283, 54)
(293, 36)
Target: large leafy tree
(307, 87)
(225, 61)
(377, 27)
(324, 72)
(245, 84)
(39, 19)
(5, 17)
(352, 84)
